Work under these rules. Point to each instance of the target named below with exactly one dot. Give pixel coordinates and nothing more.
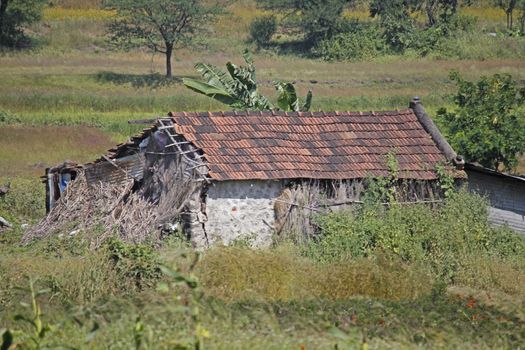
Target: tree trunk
(430, 16)
(169, 52)
(3, 8)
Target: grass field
(70, 97)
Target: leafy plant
(238, 87)
(446, 181)
(191, 307)
(315, 20)
(7, 339)
(39, 328)
(488, 125)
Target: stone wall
(241, 209)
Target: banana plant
(237, 87)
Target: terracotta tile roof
(337, 145)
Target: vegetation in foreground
(408, 277)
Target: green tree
(397, 24)
(488, 125)
(160, 25)
(316, 19)
(437, 10)
(15, 15)
(238, 88)
(262, 29)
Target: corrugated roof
(317, 145)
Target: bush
(357, 42)
(136, 262)
(444, 239)
(262, 29)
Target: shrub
(357, 42)
(136, 262)
(262, 29)
(444, 238)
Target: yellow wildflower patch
(60, 13)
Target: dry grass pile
(109, 209)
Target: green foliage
(287, 99)
(238, 87)
(8, 118)
(191, 306)
(234, 274)
(160, 25)
(319, 19)
(358, 41)
(488, 125)
(401, 30)
(262, 29)
(443, 239)
(7, 339)
(383, 189)
(316, 20)
(137, 262)
(24, 201)
(38, 327)
(397, 25)
(446, 181)
(15, 16)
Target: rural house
(506, 194)
(223, 176)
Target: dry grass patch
(28, 150)
(235, 274)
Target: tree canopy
(15, 15)
(160, 25)
(318, 18)
(488, 124)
